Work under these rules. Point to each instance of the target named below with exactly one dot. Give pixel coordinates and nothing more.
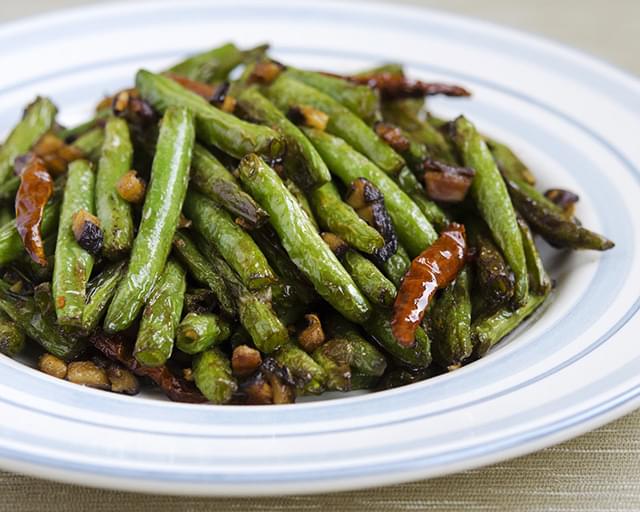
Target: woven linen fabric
(596, 472)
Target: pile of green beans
(245, 274)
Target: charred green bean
(160, 215)
(199, 331)
(115, 214)
(161, 317)
(301, 241)
(413, 229)
(232, 242)
(287, 92)
(73, 265)
(223, 130)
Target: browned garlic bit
(312, 336)
(337, 245)
(51, 365)
(447, 183)
(308, 116)
(565, 199)
(87, 373)
(266, 72)
(256, 390)
(55, 154)
(393, 136)
(122, 380)
(87, 232)
(131, 187)
(245, 360)
(183, 222)
(228, 104)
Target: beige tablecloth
(596, 472)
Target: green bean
(214, 65)
(550, 222)
(161, 317)
(450, 320)
(7, 214)
(82, 128)
(411, 186)
(375, 286)
(362, 100)
(402, 113)
(73, 265)
(416, 356)
(199, 331)
(114, 212)
(284, 304)
(363, 358)
(9, 188)
(340, 358)
(539, 280)
(402, 377)
(213, 180)
(286, 92)
(332, 359)
(202, 271)
(212, 375)
(199, 300)
(231, 241)
(310, 377)
(300, 196)
(301, 241)
(11, 246)
(230, 134)
(488, 331)
(160, 215)
(359, 381)
(437, 122)
(289, 275)
(508, 161)
(306, 167)
(492, 199)
(493, 276)
(100, 291)
(38, 119)
(12, 339)
(338, 217)
(413, 229)
(90, 144)
(392, 68)
(38, 326)
(397, 266)
(256, 316)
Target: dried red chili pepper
(36, 187)
(394, 86)
(116, 348)
(434, 268)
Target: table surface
(598, 471)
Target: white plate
(575, 121)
